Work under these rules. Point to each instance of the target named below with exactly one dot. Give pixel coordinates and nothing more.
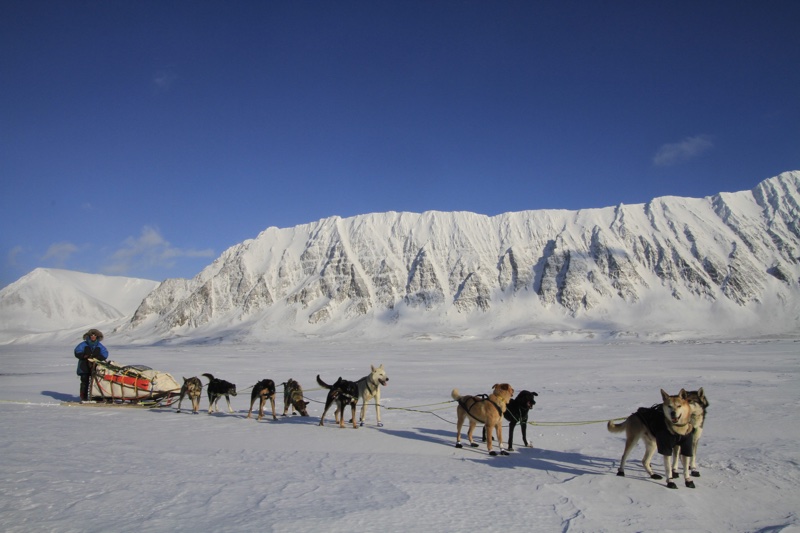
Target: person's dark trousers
(84, 387)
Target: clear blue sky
(143, 138)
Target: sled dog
(517, 413)
(663, 426)
(699, 405)
(293, 396)
(344, 393)
(218, 388)
(262, 391)
(193, 388)
(487, 410)
(369, 387)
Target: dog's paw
(675, 474)
(656, 476)
(620, 473)
(361, 423)
(380, 424)
(503, 452)
(690, 483)
(695, 473)
(458, 445)
(672, 485)
(493, 453)
(473, 444)
(511, 448)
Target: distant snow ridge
(49, 299)
(517, 271)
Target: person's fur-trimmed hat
(93, 332)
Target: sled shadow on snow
(60, 396)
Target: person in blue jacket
(90, 348)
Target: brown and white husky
(663, 427)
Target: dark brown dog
(344, 393)
(193, 388)
(293, 396)
(262, 391)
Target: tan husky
(699, 404)
(663, 426)
(487, 410)
(193, 388)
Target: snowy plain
(93, 469)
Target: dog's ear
(682, 394)
(535, 393)
(702, 396)
(664, 395)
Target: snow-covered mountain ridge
(48, 299)
(712, 265)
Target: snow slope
(95, 469)
(47, 300)
(726, 266)
(722, 265)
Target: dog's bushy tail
(455, 395)
(209, 376)
(322, 383)
(617, 428)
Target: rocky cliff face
(741, 249)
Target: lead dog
(517, 413)
(193, 388)
(663, 426)
(344, 393)
(262, 391)
(485, 410)
(699, 405)
(369, 387)
(293, 396)
(218, 388)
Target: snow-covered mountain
(723, 265)
(47, 300)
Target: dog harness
(479, 398)
(666, 440)
(369, 385)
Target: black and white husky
(218, 388)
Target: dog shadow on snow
(571, 463)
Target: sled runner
(132, 384)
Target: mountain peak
(725, 265)
(673, 263)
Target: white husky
(369, 387)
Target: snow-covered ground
(105, 469)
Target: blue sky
(144, 138)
